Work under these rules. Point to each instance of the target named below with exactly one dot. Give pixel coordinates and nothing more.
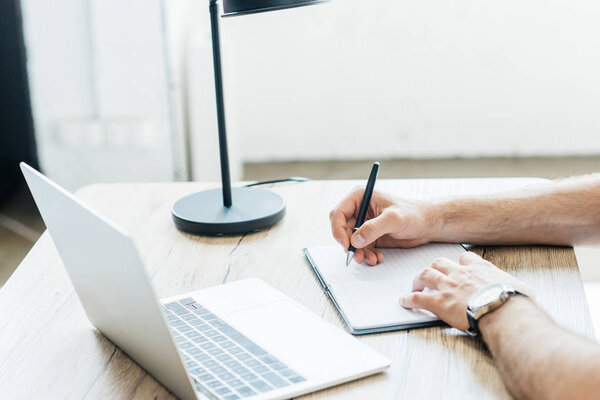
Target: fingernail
(359, 240)
(403, 301)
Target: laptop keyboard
(223, 362)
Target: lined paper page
(368, 296)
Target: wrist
(442, 226)
(493, 323)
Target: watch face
(486, 295)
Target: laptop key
(214, 384)
(224, 357)
(176, 308)
(227, 344)
(223, 390)
(191, 364)
(187, 300)
(235, 382)
(226, 375)
(232, 397)
(211, 333)
(235, 350)
(260, 386)
(184, 328)
(287, 372)
(186, 345)
(249, 377)
(195, 351)
(245, 391)
(297, 379)
(252, 363)
(218, 370)
(243, 341)
(206, 378)
(198, 339)
(232, 364)
(217, 323)
(208, 316)
(243, 356)
(198, 371)
(202, 357)
(188, 316)
(274, 380)
(269, 359)
(215, 352)
(278, 366)
(219, 338)
(177, 323)
(192, 334)
(196, 322)
(260, 369)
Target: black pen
(364, 206)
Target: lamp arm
(216, 47)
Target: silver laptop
(235, 341)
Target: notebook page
(368, 296)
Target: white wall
(98, 78)
(347, 79)
(438, 78)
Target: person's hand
(455, 283)
(390, 222)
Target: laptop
(241, 340)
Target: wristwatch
(486, 300)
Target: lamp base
(203, 213)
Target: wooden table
(48, 349)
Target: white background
(117, 85)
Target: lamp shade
(240, 7)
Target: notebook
(367, 298)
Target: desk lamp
(242, 209)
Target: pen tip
(349, 256)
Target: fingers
(473, 260)
(426, 301)
(428, 278)
(341, 215)
(373, 229)
(369, 255)
(443, 265)
(339, 228)
(468, 258)
(359, 256)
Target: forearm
(558, 213)
(536, 358)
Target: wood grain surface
(48, 348)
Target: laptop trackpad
(301, 340)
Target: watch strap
(473, 329)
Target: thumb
(372, 230)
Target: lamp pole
(212, 212)
(216, 48)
